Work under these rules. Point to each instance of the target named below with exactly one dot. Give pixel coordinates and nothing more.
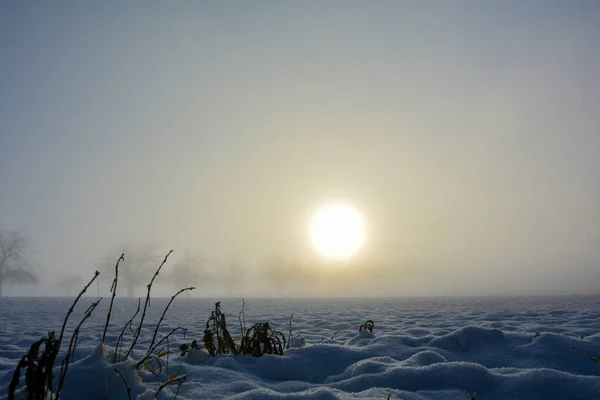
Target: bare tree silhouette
(14, 264)
(135, 271)
(283, 273)
(69, 282)
(191, 270)
(229, 274)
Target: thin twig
(80, 340)
(596, 360)
(179, 387)
(240, 315)
(179, 381)
(124, 383)
(62, 330)
(131, 327)
(146, 304)
(76, 335)
(152, 349)
(65, 364)
(290, 334)
(165, 312)
(113, 289)
(120, 338)
(168, 351)
(52, 358)
(335, 333)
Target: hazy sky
(466, 132)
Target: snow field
(420, 348)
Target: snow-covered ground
(420, 348)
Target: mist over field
(465, 135)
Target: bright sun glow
(337, 231)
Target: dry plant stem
(65, 364)
(179, 381)
(77, 342)
(51, 354)
(124, 383)
(168, 351)
(162, 317)
(16, 376)
(178, 387)
(62, 329)
(76, 335)
(241, 315)
(113, 289)
(38, 370)
(335, 333)
(369, 325)
(261, 339)
(153, 348)
(596, 360)
(290, 333)
(80, 340)
(146, 304)
(120, 338)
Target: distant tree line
(191, 269)
(15, 266)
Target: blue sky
(466, 133)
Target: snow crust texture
(511, 348)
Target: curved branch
(165, 312)
(113, 289)
(146, 304)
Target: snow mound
(469, 338)
(362, 339)
(423, 358)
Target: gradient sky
(466, 132)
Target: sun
(337, 231)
